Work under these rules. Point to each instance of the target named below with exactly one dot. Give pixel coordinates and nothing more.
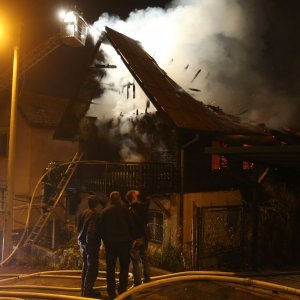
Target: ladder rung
(41, 220)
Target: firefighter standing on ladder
(50, 183)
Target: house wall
(207, 199)
(171, 232)
(44, 149)
(171, 226)
(35, 148)
(203, 199)
(199, 174)
(4, 127)
(22, 157)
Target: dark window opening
(3, 144)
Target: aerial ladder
(60, 188)
(73, 32)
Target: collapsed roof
(166, 95)
(187, 113)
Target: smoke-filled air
(212, 48)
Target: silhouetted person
(138, 252)
(89, 241)
(116, 231)
(50, 182)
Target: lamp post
(7, 245)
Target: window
(218, 162)
(2, 197)
(3, 143)
(155, 226)
(246, 164)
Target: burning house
(189, 160)
(180, 158)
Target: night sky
(279, 21)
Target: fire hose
(216, 278)
(156, 281)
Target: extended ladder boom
(31, 59)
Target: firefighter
(89, 241)
(138, 252)
(50, 182)
(117, 234)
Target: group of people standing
(122, 227)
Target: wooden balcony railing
(150, 178)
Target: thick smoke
(147, 137)
(212, 48)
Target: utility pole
(7, 245)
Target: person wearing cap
(138, 252)
(89, 241)
(117, 235)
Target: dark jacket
(88, 228)
(116, 224)
(139, 212)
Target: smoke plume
(147, 137)
(214, 49)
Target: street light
(3, 33)
(7, 245)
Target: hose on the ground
(46, 296)
(53, 274)
(156, 281)
(11, 298)
(227, 279)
